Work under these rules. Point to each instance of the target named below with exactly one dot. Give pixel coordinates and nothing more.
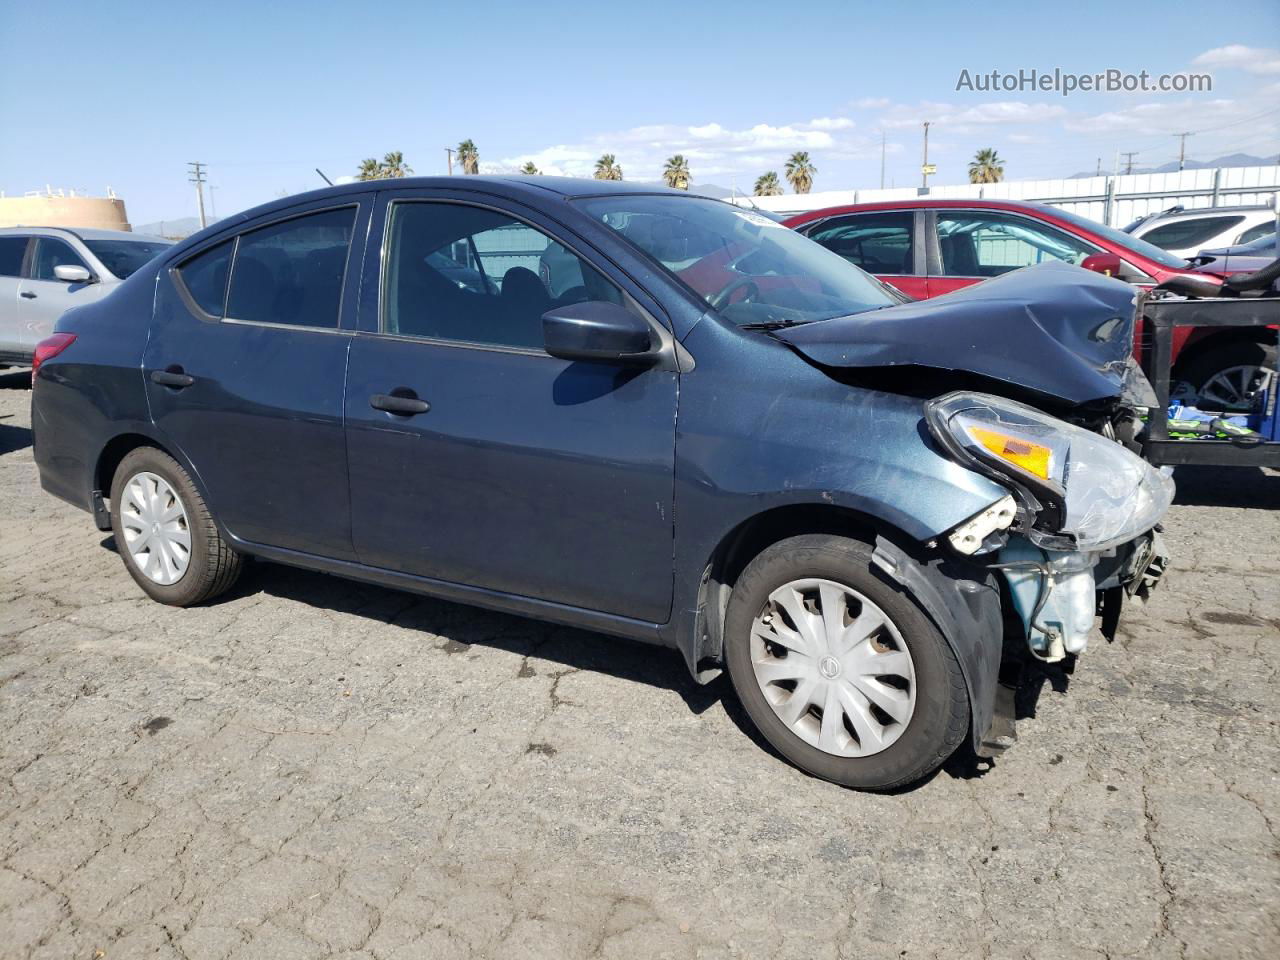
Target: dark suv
(635, 411)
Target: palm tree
(529, 168)
(607, 168)
(987, 167)
(800, 171)
(767, 185)
(469, 157)
(393, 165)
(370, 170)
(676, 172)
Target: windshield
(123, 257)
(750, 269)
(1122, 239)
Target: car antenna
(323, 177)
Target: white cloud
(831, 123)
(712, 149)
(1239, 57)
(962, 119)
(872, 103)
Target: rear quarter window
(205, 277)
(12, 250)
(1189, 233)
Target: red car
(929, 247)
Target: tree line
(986, 167)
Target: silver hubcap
(1234, 388)
(833, 667)
(155, 527)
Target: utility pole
(881, 159)
(1182, 148)
(924, 164)
(1099, 171)
(449, 153)
(213, 207)
(197, 176)
(1128, 160)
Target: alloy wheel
(155, 527)
(1233, 390)
(833, 667)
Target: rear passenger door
(883, 243)
(13, 250)
(245, 368)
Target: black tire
(940, 721)
(1205, 364)
(212, 566)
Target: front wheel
(839, 670)
(164, 532)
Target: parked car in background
(45, 271)
(929, 247)
(1184, 232)
(1241, 256)
(314, 382)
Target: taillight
(49, 348)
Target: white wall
(1155, 192)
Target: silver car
(45, 271)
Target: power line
(197, 176)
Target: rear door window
(1189, 233)
(979, 243)
(292, 272)
(879, 243)
(12, 250)
(1261, 230)
(205, 277)
(50, 253)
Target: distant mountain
(175, 229)
(1230, 160)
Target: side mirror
(70, 273)
(597, 331)
(1107, 263)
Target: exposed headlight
(1088, 492)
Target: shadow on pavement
(13, 438)
(19, 379)
(1227, 487)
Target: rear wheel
(839, 669)
(1229, 377)
(164, 532)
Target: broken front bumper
(1058, 594)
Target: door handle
(406, 406)
(27, 295)
(173, 377)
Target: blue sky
(265, 91)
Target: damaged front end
(1028, 379)
(1079, 522)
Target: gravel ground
(317, 768)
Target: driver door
(475, 457)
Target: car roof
(82, 233)
(930, 203)
(1200, 212)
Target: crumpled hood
(1052, 328)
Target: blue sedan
(636, 411)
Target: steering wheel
(721, 299)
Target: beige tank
(43, 210)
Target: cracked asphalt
(315, 768)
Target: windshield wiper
(772, 324)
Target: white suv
(45, 271)
(1184, 233)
